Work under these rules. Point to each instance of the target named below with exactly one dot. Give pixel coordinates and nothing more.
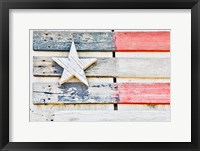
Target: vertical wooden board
(142, 41)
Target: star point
(73, 66)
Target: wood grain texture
(140, 93)
(51, 113)
(103, 116)
(102, 41)
(47, 93)
(142, 41)
(127, 93)
(73, 66)
(110, 67)
(144, 107)
(84, 41)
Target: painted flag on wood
(146, 71)
(142, 41)
(102, 41)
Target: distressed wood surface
(84, 41)
(128, 93)
(73, 66)
(102, 41)
(110, 67)
(47, 93)
(67, 112)
(152, 93)
(103, 116)
(142, 41)
(108, 116)
(50, 113)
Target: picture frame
(6, 5)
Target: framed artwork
(118, 86)
(99, 75)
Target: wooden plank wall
(115, 93)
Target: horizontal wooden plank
(46, 93)
(125, 93)
(103, 116)
(50, 113)
(84, 41)
(144, 93)
(110, 67)
(143, 107)
(102, 41)
(100, 107)
(142, 41)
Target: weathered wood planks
(84, 41)
(127, 93)
(110, 67)
(91, 112)
(102, 116)
(102, 41)
(136, 100)
(154, 93)
(73, 66)
(142, 41)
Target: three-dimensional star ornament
(73, 66)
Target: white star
(73, 66)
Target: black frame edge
(5, 5)
(195, 69)
(1, 97)
(4, 70)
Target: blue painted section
(84, 41)
(73, 92)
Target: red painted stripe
(143, 50)
(134, 93)
(144, 103)
(142, 41)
